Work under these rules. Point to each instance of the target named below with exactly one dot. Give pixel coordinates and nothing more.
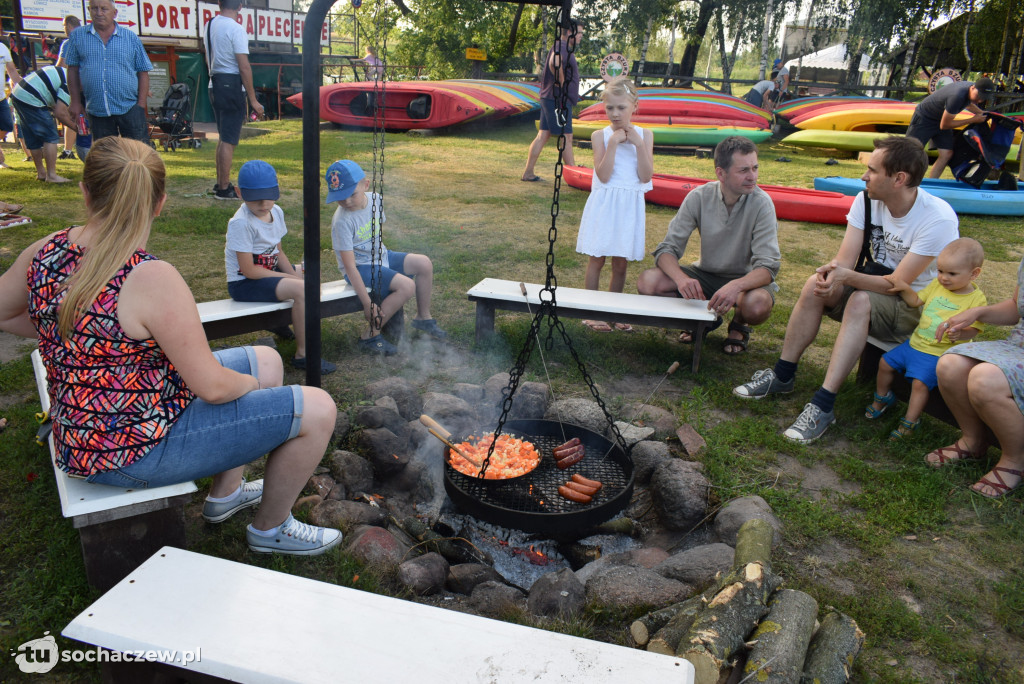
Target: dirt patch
(815, 479)
(13, 347)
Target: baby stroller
(175, 118)
(982, 148)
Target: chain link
(377, 175)
(548, 309)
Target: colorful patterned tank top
(112, 397)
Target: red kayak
(791, 204)
(424, 104)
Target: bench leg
(113, 549)
(698, 344)
(484, 321)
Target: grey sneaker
(809, 425)
(295, 539)
(763, 383)
(252, 493)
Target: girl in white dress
(613, 222)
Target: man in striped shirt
(110, 66)
(34, 97)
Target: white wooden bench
(118, 528)
(226, 317)
(254, 625)
(491, 294)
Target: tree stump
(832, 650)
(782, 638)
(754, 544)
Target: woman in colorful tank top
(137, 397)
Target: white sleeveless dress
(614, 218)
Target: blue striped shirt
(42, 88)
(109, 72)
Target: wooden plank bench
(226, 317)
(691, 315)
(118, 528)
(242, 623)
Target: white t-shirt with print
(930, 225)
(5, 57)
(246, 233)
(352, 231)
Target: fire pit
(532, 502)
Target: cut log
(832, 651)
(667, 639)
(782, 638)
(724, 624)
(454, 551)
(754, 544)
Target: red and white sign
(48, 15)
(272, 26)
(175, 18)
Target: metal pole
(311, 181)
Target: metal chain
(548, 308)
(377, 177)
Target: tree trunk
(754, 544)
(726, 66)
(643, 51)
(782, 638)
(832, 651)
(736, 45)
(672, 41)
(765, 36)
(688, 63)
(514, 31)
(1015, 62)
(1005, 42)
(908, 59)
(852, 77)
(667, 638)
(724, 624)
(967, 44)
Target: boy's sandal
(951, 454)
(905, 429)
(738, 346)
(999, 484)
(870, 412)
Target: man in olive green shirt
(739, 246)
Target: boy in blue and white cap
(352, 241)
(258, 270)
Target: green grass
(930, 571)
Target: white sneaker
(219, 511)
(809, 425)
(294, 538)
(763, 383)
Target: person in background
(38, 98)
(227, 55)
(614, 218)
(137, 398)
(109, 66)
(567, 76)
(907, 228)
(780, 74)
(71, 22)
(935, 116)
(761, 95)
(7, 71)
(374, 67)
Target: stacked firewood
(745, 621)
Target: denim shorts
(36, 125)
(207, 439)
(132, 124)
(228, 100)
(549, 116)
(914, 364)
(6, 120)
(254, 289)
(396, 264)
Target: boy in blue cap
(353, 241)
(258, 270)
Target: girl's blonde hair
(125, 182)
(620, 86)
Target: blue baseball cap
(342, 178)
(777, 62)
(257, 180)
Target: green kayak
(675, 135)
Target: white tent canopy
(833, 57)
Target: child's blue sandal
(905, 429)
(870, 412)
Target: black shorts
(926, 131)
(228, 102)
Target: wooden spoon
(434, 428)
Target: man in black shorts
(934, 118)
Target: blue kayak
(963, 198)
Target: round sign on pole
(943, 77)
(613, 66)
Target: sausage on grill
(584, 481)
(570, 460)
(573, 495)
(582, 489)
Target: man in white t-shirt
(909, 228)
(6, 119)
(227, 55)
